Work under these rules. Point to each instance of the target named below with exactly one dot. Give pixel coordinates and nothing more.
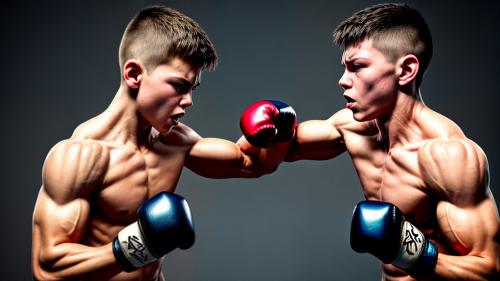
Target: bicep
(215, 158)
(57, 252)
(473, 233)
(57, 223)
(317, 140)
(471, 230)
(54, 226)
(71, 172)
(456, 171)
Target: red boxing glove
(268, 121)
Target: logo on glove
(136, 249)
(412, 240)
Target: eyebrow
(187, 83)
(351, 60)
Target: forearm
(470, 267)
(218, 158)
(71, 261)
(260, 161)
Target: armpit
(456, 169)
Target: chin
(362, 117)
(164, 129)
(358, 116)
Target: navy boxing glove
(163, 224)
(379, 228)
(268, 121)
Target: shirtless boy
(85, 223)
(429, 214)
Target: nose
(344, 82)
(187, 100)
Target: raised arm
(219, 158)
(268, 127)
(457, 170)
(267, 143)
(320, 139)
(72, 171)
(313, 140)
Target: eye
(180, 88)
(195, 87)
(354, 67)
(175, 85)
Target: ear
(408, 69)
(132, 73)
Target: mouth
(350, 102)
(176, 117)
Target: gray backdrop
(60, 68)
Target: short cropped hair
(158, 34)
(396, 30)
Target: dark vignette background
(60, 68)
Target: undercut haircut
(158, 34)
(395, 29)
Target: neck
(123, 121)
(396, 129)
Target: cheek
(383, 88)
(153, 96)
(380, 86)
(145, 102)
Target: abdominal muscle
(129, 183)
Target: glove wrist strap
(133, 246)
(416, 254)
(412, 245)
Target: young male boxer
(429, 214)
(106, 209)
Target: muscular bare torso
(398, 175)
(128, 175)
(393, 176)
(133, 176)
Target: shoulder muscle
(74, 168)
(456, 168)
(181, 135)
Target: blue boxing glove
(379, 228)
(163, 224)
